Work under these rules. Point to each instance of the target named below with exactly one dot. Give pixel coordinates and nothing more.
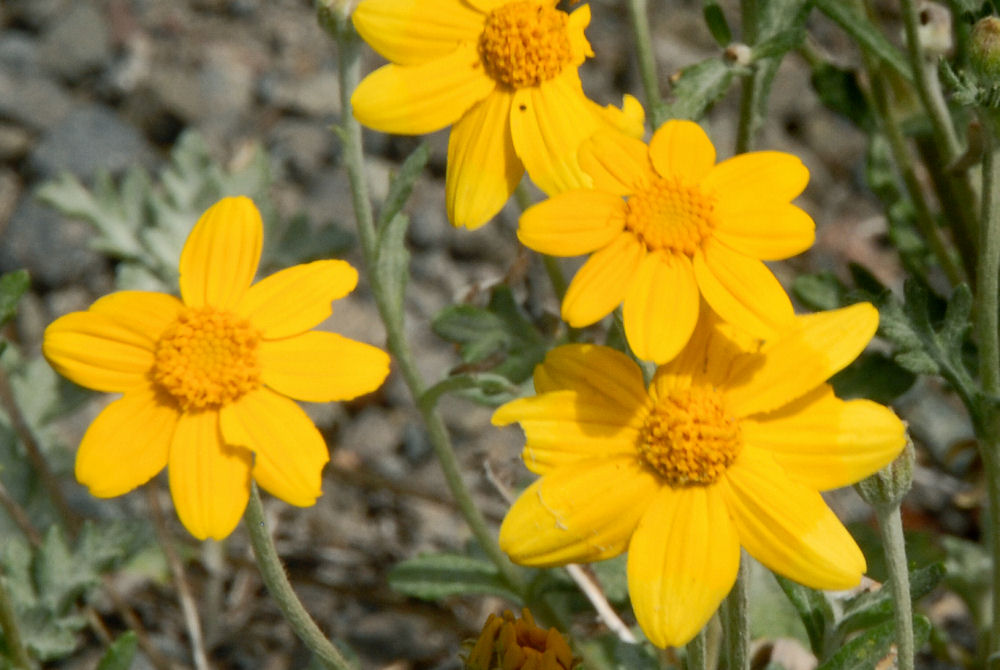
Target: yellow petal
(318, 366)
(629, 119)
(601, 283)
(572, 223)
(786, 525)
(583, 512)
(617, 163)
(549, 122)
(762, 176)
(127, 444)
(220, 256)
(209, 481)
(801, 358)
(567, 426)
(661, 307)
(742, 290)
(766, 232)
(483, 169)
(594, 369)
(682, 562)
(712, 353)
(579, 47)
(298, 298)
(98, 352)
(683, 149)
(145, 313)
(409, 32)
(417, 99)
(826, 442)
(289, 453)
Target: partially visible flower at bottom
(509, 643)
(207, 379)
(729, 446)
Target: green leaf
(392, 264)
(436, 576)
(12, 286)
(612, 575)
(697, 87)
(402, 184)
(865, 651)
(715, 19)
(873, 607)
(820, 291)
(779, 44)
(495, 387)
(866, 34)
(121, 653)
(59, 575)
(813, 608)
(875, 376)
(838, 89)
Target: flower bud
(888, 486)
(935, 29)
(509, 643)
(984, 50)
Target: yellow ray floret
(207, 380)
(728, 446)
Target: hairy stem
(273, 574)
(639, 15)
(349, 67)
(736, 621)
(890, 527)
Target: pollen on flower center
(524, 43)
(690, 438)
(671, 215)
(207, 358)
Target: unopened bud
(739, 54)
(935, 29)
(888, 486)
(984, 50)
(509, 643)
(334, 15)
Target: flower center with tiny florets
(207, 358)
(690, 438)
(671, 215)
(524, 43)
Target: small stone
(77, 43)
(315, 95)
(18, 52)
(34, 101)
(53, 249)
(88, 140)
(14, 143)
(303, 146)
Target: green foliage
(46, 583)
(697, 87)
(402, 184)
(868, 649)
(838, 89)
(875, 376)
(715, 19)
(499, 339)
(144, 225)
(121, 653)
(813, 608)
(436, 576)
(868, 35)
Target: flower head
(665, 224)
(206, 379)
(728, 446)
(504, 74)
(509, 643)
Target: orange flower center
(690, 438)
(670, 214)
(509, 643)
(207, 358)
(524, 43)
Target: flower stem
(11, 631)
(696, 659)
(736, 620)
(273, 574)
(349, 68)
(890, 526)
(639, 15)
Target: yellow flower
(728, 446)
(504, 74)
(205, 378)
(509, 643)
(687, 227)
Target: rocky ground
(92, 85)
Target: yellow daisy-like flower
(728, 446)
(686, 227)
(206, 379)
(504, 73)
